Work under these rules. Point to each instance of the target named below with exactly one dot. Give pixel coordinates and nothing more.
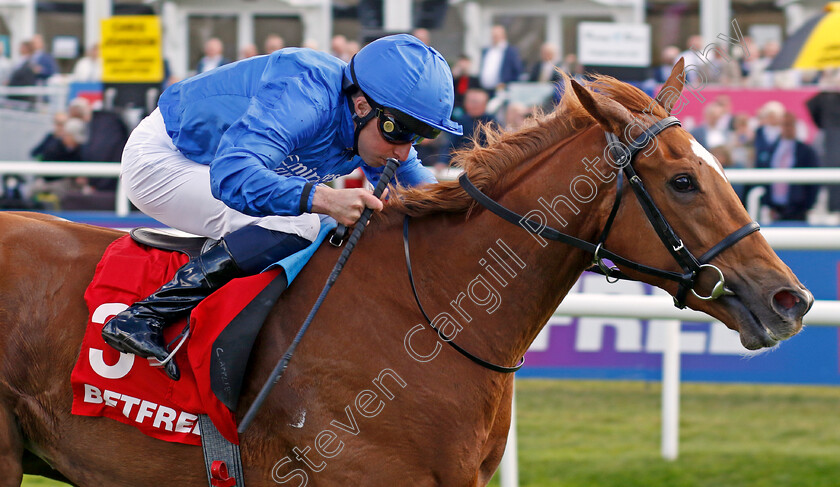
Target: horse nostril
(786, 299)
(792, 305)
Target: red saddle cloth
(125, 387)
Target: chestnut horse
(372, 398)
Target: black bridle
(623, 157)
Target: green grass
(31, 481)
(576, 434)
(607, 434)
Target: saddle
(213, 360)
(233, 345)
(189, 245)
(198, 409)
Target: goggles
(397, 131)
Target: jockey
(237, 154)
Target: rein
(479, 361)
(690, 265)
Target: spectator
(352, 48)
(475, 115)
(14, 194)
(829, 78)
(248, 50)
(722, 154)
(6, 67)
(790, 202)
(88, 69)
(273, 42)
(169, 78)
(670, 55)
(108, 136)
(724, 157)
(784, 78)
(311, 44)
(692, 58)
(42, 58)
(51, 147)
(25, 72)
(762, 78)
(748, 58)
(464, 80)
(74, 136)
(80, 108)
(545, 70)
(708, 133)
(423, 35)
(572, 67)
(706, 63)
(824, 108)
(433, 152)
(64, 144)
(515, 116)
(213, 56)
(767, 134)
(725, 122)
(338, 47)
(726, 65)
(740, 143)
(500, 63)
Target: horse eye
(683, 183)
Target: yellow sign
(131, 49)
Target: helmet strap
(359, 122)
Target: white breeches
(174, 190)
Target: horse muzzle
(763, 323)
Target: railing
(53, 97)
(736, 176)
(769, 176)
(91, 169)
(823, 313)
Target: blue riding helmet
(411, 81)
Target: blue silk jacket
(268, 127)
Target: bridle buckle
(598, 261)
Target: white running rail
(658, 307)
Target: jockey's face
(373, 148)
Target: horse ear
(672, 88)
(609, 114)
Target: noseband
(623, 157)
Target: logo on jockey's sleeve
(292, 166)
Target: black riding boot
(139, 329)
(245, 252)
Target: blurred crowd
(772, 137)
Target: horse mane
(488, 164)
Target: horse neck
(498, 281)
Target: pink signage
(745, 100)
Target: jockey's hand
(345, 205)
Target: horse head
(737, 278)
